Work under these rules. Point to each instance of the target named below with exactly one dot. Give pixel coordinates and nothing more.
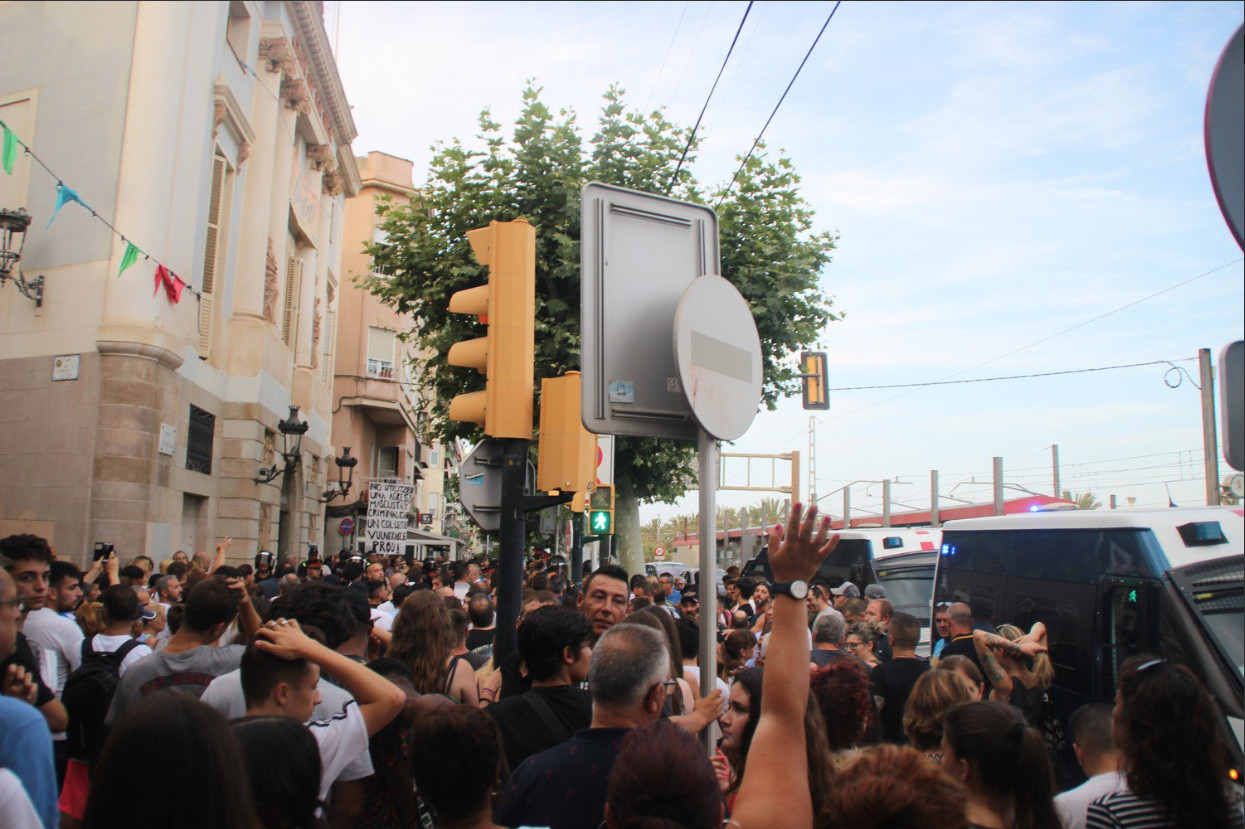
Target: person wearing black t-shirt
(961, 643)
(893, 680)
(553, 645)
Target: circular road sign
(1225, 134)
(718, 354)
(660, 552)
(346, 527)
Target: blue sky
(999, 173)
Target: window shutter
(210, 255)
(330, 347)
(293, 281)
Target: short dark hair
(458, 625)
(689, 637)
(456, 766)
(62, 570)
(374, 586)
(1091, 728)
(282, 753)
(211, 602)
(480, 609)
(316, 604)
(906, 629)
(133, 572)
(176, 569)
(120, 603)
(261, 672)
(609, 571)
(545, 633)
(746, 587)
(662, 778)
(24, 547)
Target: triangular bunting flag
(10, 150)
(64, 195)
(128, 258)
(172, 284)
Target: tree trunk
(627, 528)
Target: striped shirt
(1125, 810)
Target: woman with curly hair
(934, 694)
(1166, 726)
(861, 642)
(845, 698)
(895, 786)
(423, 641)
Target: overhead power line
(761, 134)
(692, 135)
(1011, 377)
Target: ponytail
(1010, 759)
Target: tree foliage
(769, 251)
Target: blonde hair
(934, 693)
(1043, 670)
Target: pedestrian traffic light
(601, 511)
(507, 306)
(813, 372)
(566, 456)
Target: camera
(103, 549)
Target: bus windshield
(1217, 595)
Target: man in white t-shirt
(280, 675)
(1096, 752)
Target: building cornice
(314, 40)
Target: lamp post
(13, 224)
(294, 428)
(345, 476)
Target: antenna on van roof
(1170, 502)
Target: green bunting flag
(129, 258)
(10, 150)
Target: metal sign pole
(708, 450)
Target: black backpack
(87, 695)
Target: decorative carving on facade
(278, 56)
(218, 117)
(265, 526)
(271, 284)
(244, 152)
(315, 335)
(320, 155)
(269, 454)
(296, 95)
(331, 182)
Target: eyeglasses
(18, 602)
(851, 646)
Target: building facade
(215, 136)
(377, 401)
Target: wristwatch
(797, 590)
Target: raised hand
(799, 548)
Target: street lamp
(13, 224)
(290, 427)
(345, 476)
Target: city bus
(1110, 584)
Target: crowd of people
(361, 692)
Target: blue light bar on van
(948, 549)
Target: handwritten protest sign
(389, 502)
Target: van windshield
(848, 562)
(909, 587)
(1216, 592)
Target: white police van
(1109, 584)
(901, 559)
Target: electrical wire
(1019, 376)
(692, 135)
(660, 72)
(761, 134)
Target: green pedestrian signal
(601, 511)
(599, 522)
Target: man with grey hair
(829, 628)
(564, 787)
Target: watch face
(799, 590)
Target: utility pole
(1054, 470)
(886, 502)
(847, 507)
(1210, 437)
(812, 460)
(933, 499)
(998, 486)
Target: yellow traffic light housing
(813, 371)
(566, 457)
(601, 511)
(507, 305)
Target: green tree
(770, 251)
(1086, 500)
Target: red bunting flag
(172, 284)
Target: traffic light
(507, 305)
(566, 456)
(813, 371)
(601, 511)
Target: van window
(1128, 629)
